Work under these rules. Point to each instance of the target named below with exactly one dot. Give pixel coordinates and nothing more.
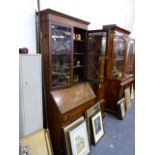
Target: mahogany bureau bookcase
(63, 45)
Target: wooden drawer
(75, 113)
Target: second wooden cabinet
(111, 55)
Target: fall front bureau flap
(70, 98)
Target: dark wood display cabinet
(81, 67)
(111, 51)
(117, 79)
(63, 46)
(67, 93)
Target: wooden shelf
(60, 68)
(78, 66)
(55, 54)
(79, 40)
(78, 53)
(60, 74)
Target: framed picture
(97, 127)
(37, 143)
(127, 97)
(121, 108)
(132, 92)
(88, 114)
(65, 130)
(79, 139)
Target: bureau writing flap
(73, 97)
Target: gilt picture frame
(132, 92)
(38, 142)
(79, 139)
(97, 127)
(127, 97)
(121, 106)
(65, 134)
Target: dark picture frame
(97, 127)
(88, 114)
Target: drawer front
(75, 113)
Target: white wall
(98, 13)
(27, 29)
(9, 77)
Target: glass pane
(130, 57)
(118, 56)
(96, 51)
(61, 55)
(103, 44)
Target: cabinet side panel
(31, 92)
(21, 111)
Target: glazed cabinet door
(96, 63)
(116, 55)
(130, 57)
(96, 56)
(61, 55)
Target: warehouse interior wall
(18, 30)
(97, 12)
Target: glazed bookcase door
(61, 41)
(130, 57)
(96, 56)
(118, 61)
